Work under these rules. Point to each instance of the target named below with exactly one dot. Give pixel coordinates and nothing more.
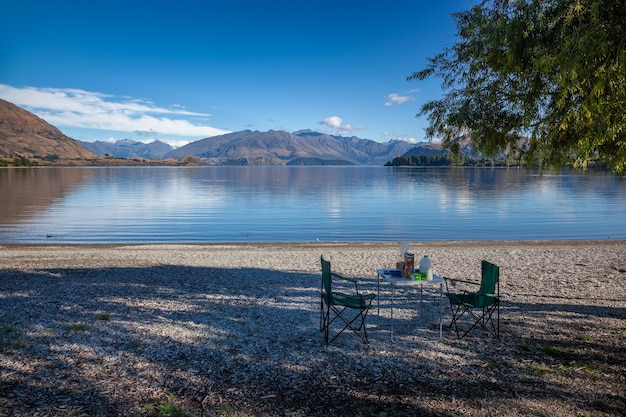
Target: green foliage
(135, 344)
(542, 80)
(11, 338)
(78, 327)
(420, 160)
(441, 161)
(51, 158)
(560, 352)
(7, 330)
(167, 409)
(587, 338)
(22, 161)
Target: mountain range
(277, 147)
(128, 148)
(23, 134)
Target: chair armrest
(353, 280)
(455, 280)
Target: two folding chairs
(482, 307)
(347, 310)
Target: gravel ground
(233, 330)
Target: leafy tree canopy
(542, 79)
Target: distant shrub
(22, 161)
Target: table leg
(378, 295)
(393, 294)
(421, 312)
(440, 311)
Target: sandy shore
(233, 330)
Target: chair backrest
(326, 280)
(490, 278)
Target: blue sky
(184, 70)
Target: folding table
(396, 280)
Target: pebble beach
(233, 330)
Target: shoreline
(335, 243)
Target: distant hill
(128, 148)
(433, 154)
(435, 149)
(303, 147)
(25, 135)
(427, 149)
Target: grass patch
(560, 352)
(587, 338)
(166, 409)
(591, 371)
(135, 344)
(222, 409)
(602, 404)
(10, 339)
(8, 330)
(78, 327)
(538, 368)
(20, 343)
(103, 317)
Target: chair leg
(326, 323)
(486, 319)
(356, 324)
(321, 313)
(456, 316)
(348, 324)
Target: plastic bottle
(426, 268)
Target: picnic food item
(426, 268)
(409, 264)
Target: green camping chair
(482, 306)
(350, 309)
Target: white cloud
(85, 109)
(394, 136)
(400, 98)
(174, 143)
(338, 127)
(408, 139)
(333, 121)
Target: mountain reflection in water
(300, 204)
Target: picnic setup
(425, 299)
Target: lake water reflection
(300, 204)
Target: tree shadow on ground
(214, 341)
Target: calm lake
(305, 204)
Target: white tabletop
(386, 274)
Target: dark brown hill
(24, 134)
